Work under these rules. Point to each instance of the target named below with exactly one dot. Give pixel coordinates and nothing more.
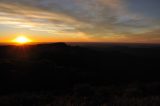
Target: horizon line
(34, 43)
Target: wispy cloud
(21, 16)
(95, 19)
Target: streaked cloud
(99, 20)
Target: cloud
(150, 36)
(21, 16)
(93, 18)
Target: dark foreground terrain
(88, 75)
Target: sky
(81, 20)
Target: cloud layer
(98, 20)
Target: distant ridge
(61, 44)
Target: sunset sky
(81, 20)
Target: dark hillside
(60, 65)
(58, 75)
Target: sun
(22, 40)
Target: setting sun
(22, 40)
